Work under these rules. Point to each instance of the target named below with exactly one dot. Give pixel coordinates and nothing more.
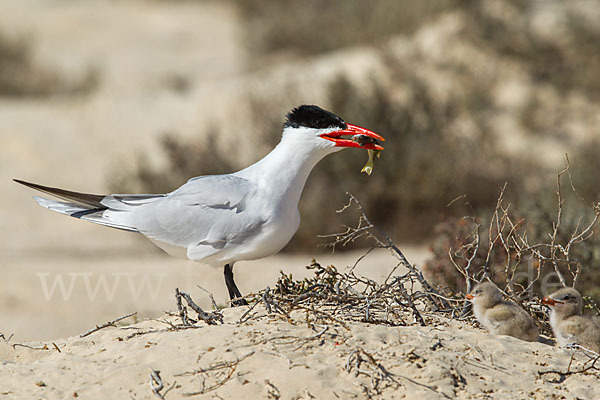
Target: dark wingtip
(93, 200)
(24, 183)
(31, 185)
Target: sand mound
(261, 355)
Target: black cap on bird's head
(310, 116)
(314, 117)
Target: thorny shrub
(528, 252)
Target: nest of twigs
(343, 296)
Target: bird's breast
(279, 230)
(273, 235)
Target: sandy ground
(268, 357)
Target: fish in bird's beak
(549, 301)
(359, 137)
(368, 168)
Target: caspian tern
(221, 219)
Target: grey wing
(209, 212)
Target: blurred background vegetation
(469, 95)
(22, 76)
(439, 146)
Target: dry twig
(364, 363)
(156, 384)
(221, 373)
(366, 229)
(211, 318)
(5, 338)
(107, 324)
(589, 366)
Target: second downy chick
(568, 324)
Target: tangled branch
(509, 253)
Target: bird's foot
(238, 302)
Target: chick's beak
(550, 301)
(371, 142)
(469, 296)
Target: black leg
(234, 292)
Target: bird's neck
(485, 303)
(283, 172)
(554, 320)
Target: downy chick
(501, 317)
(568, 323)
